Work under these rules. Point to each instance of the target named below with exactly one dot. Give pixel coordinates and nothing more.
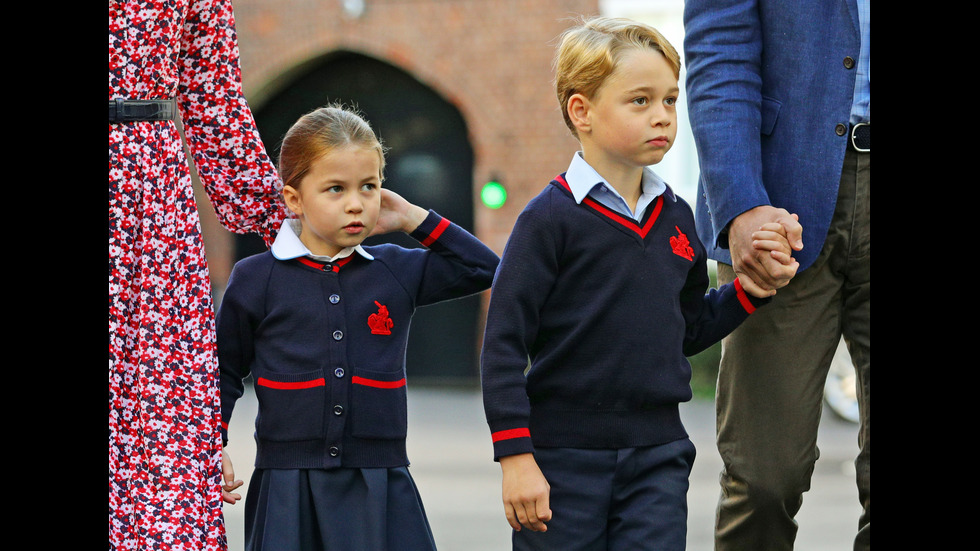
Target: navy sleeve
(712, 315)
(236, 321)
(527, 272)
(723, 50)
(457, 264)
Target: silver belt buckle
(853, 132)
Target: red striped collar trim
(619, 218)
(335, 266)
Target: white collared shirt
(584, 182)
(288, 245)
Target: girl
(321, 323)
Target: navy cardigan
(605, 309)
(326, 344)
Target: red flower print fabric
(164, 444)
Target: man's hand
(761, 272)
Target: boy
(602, 287)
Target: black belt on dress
(861, 137)
(130, 110)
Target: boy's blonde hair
(588, 53)
(320, 131)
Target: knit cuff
(511, 442)
(431, 229)
(749, 303)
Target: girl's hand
(230, 484)
(397, 214)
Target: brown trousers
(771, 380)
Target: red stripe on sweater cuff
(742, 297)
(511, 434)
(290, 386)
(440, 227)
(377, 384)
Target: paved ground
(449, 446)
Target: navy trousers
(609, 500)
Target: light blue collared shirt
(861, 110)
(584, 182)
(288, 245)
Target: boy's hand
(525, 492)
(397, 214)
(771, 237)
(229, 484)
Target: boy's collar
(288, 245)
(582, 179)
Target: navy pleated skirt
(335, 510)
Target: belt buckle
(854, 142)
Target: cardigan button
(338, 373)
(334, 298)
(338, 410)
(334, 451)
(337, 335)
(840, 129)
(849, 62)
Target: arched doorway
(430, 163)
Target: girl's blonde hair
(320, 131)
(588, 53)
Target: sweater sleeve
(723, 49)
(457, 264)
(234, 168)
(711, 315)
(236, 320)
(526, 274)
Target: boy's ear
(291, 196)
(579, 108)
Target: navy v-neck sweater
(590, 321)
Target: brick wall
(490, 58)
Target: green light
(493, 195)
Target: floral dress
(164, 413)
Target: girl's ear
(291, 196)
(579, 108)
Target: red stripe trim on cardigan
(616, 217)
(290, 386)
(440, 227)
(510, 434)
(742, 297)
(377, 384)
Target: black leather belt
(130, 110)
(861, 137)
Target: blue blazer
(769, 84)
